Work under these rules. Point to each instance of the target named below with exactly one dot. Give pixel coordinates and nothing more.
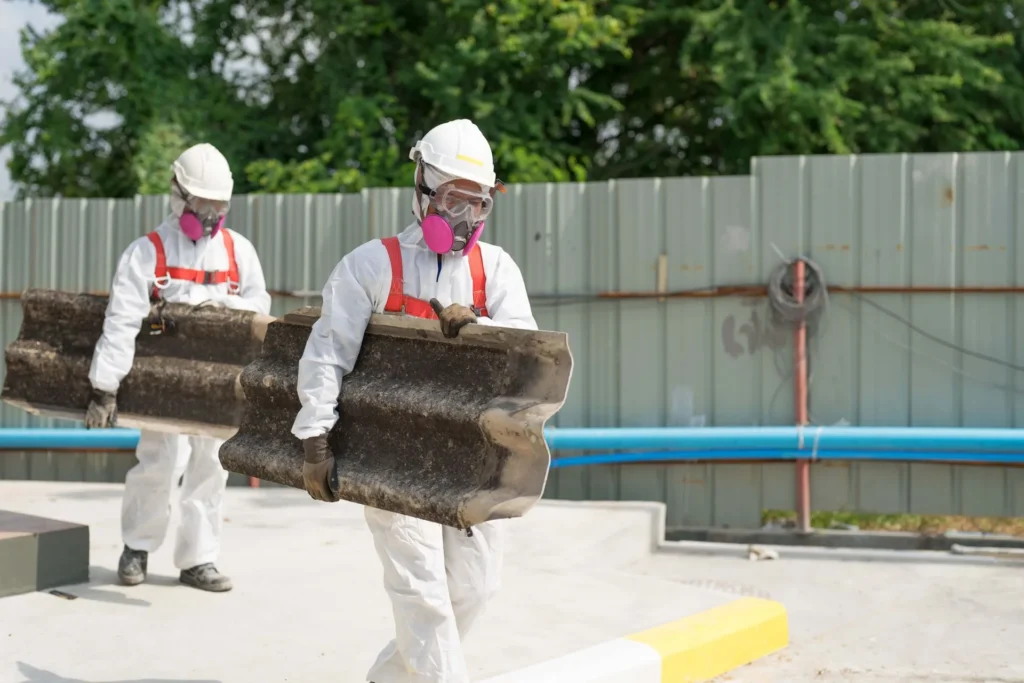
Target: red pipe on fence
(803, 468)
(722, 291)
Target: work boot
(131, 568)
(205, 577)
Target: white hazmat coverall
(438, 578)
(146, 507)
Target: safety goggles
(452, 200)
(208, 207)
(201, 206)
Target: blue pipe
(756, 443)
(42, 439)
(960, 439)
(776, 455)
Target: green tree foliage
(105, 89)
(369, 78)
(725, 80)
(158, 147)
(331, 94)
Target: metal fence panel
(570, 275)
(877, 220)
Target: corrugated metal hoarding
(879, 221)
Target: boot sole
(131, 580)
(214, 588)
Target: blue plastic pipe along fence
(670, 444)
(788, 439)
(43, 439)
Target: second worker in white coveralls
(438, 578)
(190, 258)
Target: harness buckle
(208, 276)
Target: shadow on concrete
(100, 578)
(104, 576)
(33, 675)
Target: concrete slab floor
(871, 616)
(308, 603)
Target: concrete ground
(871, 616)
(309, 603)
(309, 606)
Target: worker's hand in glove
(319, 475)
(102, 410)
(453, 318)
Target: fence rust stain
(759, 335)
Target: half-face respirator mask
(198, 217)
(459, 215)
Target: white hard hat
(459, 149)
(202, 171)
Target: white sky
(14, 15)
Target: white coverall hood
(432, 178)
(439, 579)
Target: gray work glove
(319, 475)
(102, 410)
(453, 318)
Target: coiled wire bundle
(785, 311)
(782, 294)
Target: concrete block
(37, 553)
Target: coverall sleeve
(127, 307)
(507, 302)
(350, 297)
(253, 295)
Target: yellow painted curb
(719, 640)
(697, 648)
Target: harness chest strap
(398, 302)
(202, 277)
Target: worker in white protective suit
(190, 258)
(438, 578)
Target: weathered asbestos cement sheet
(185, 381)
(447, 430)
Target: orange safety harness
(398, 302)
(201, 277)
